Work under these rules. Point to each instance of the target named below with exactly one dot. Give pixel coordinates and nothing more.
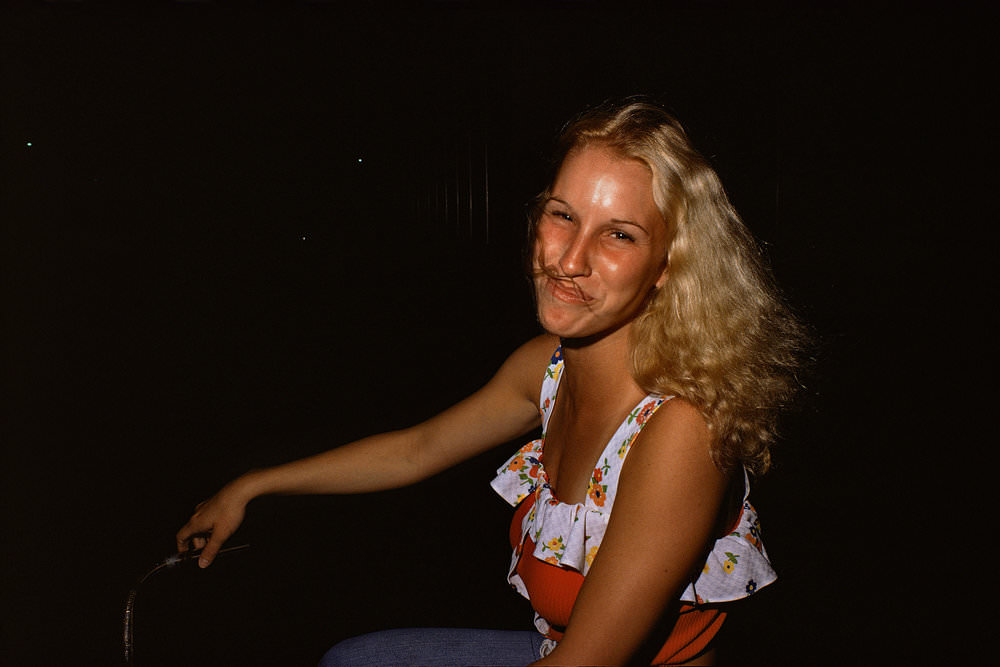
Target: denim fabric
(441, 647)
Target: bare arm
(669, 496)
(503, 409)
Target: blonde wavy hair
(718, 332)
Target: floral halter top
(569, 535)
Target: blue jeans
(441, 647)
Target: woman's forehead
(604, 178)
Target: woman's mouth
(566, 291)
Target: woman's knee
(348, 652)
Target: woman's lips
(567, 291)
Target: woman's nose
(575, 259)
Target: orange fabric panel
(553, 589)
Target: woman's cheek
(612, 267)
(543, 257)
(549, 240)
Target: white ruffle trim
(570, 535)
(564, 534)
(737, 566)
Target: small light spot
(359, 160)
(28, 144)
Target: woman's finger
(210, 546)
(186, 537)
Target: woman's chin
(566, 327)
(583, 332)
(560, 330)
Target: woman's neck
(599, 367)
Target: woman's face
(600, 245)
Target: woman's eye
(563, 215)
(621, 236)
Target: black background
(238, 234)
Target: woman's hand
(214, 520)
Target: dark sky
(235, 236)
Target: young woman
(666, 357)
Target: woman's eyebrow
(560, 202)
(628, 222)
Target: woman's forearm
(384, 461)
(379, 462)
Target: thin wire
(128, 623)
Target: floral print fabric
(569, 535)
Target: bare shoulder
(678, 437)
(537, 350)
(525, 367)
(678, 417)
